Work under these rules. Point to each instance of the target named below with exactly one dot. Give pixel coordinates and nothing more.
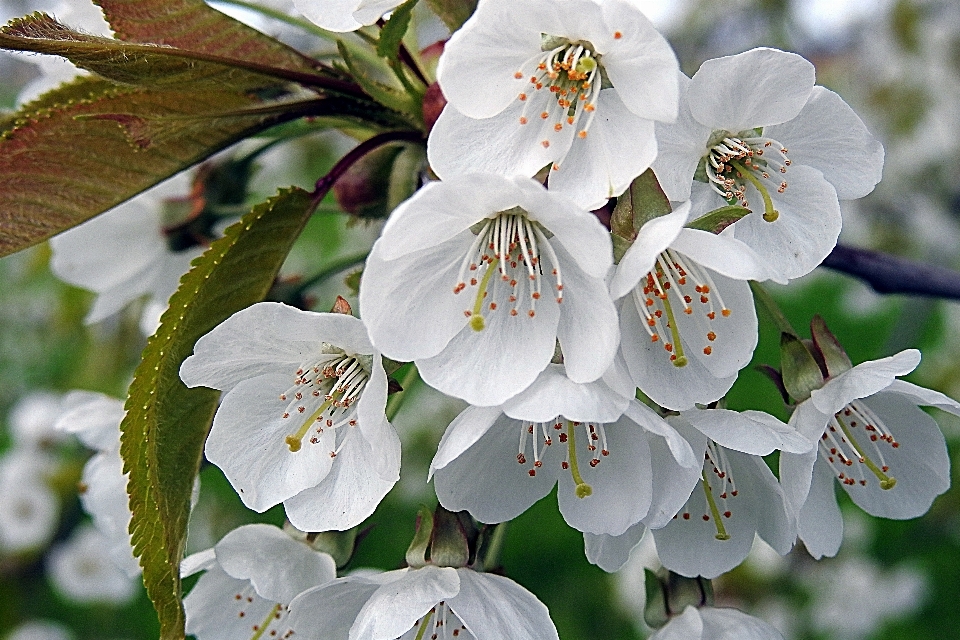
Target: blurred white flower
(40, 630)
(83, 571)
(32, 419)
(29, 509)
(345, 15)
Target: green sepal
(340, 545)
(386, 95)
(450, 546)
(405, 175)
(163, 432)
(834, 357)
(719, 219)
(620, 247)
(655, 613)
(453, 13)
(683, 592)
(391, 35)
(642, 202)
(489, 544)
(801, 373)
(418, 553)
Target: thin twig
(326, 183)
(887, 273)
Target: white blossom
(607, 452)
(574, 85)
(887, 454)
(709, 623)
(431, 602)
(477, 277)
(83, 570)
(302, 417)
(687, 319)
(756, 130)
(345, 15)
(250, 577)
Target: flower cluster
(577, 261)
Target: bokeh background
(897, 62)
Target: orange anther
(617, 35)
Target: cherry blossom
(345, 15)
(499, 270)
(709, 623)
(574, 85)
(756, 130)
(687, 319)
(250, 577)
(603, 448)
(430, 602)
(302, 417)
(888, 455)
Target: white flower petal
(396, 606)
(347, 495)
(247, 442)
(680, 148)
(459, 144)
(673, 483)
(753, 432)
(494, 608)
(327, 612)
(333, 15)
(441, 210)
(865, 379)
(487, 367)
(920, 463)
(730, 624)
(649, 420)
(278, 566)
(819, 523)
(619, 146)
(268, 338)
(725, 255)
(756, 88)
(641, 64)
(212, 612)
(828, 136)
(553, 394)
(610, 553)
(806, 230)
(398, 298)
(487, 481)
(923, 396)
(621, 483)
(463, 433)
(654, 237)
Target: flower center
(247, 597)
(441, 622)
(541, 436)
(572, 73)
(853, 438)
(324, 393)
(691, 285)
(504, 267)
(719, 489)
(733, 161)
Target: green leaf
(193, 25)
(151, 65)
(65, 163)
(719, 219)
(382, 93)
(453, 12)
(388, 46)
(166, 424)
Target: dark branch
(886, 273)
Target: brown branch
(887, 273)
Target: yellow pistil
(295, 441)
(476, 320)
(679, 359)
(717, 521)
(886, 482)
(769, 213)
(423, 625)
(266, 623)
(583, 489)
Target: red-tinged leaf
(193, 25)
(64, 164)
(166, 423)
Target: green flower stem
(423, 625)
(395, 401)
(769, 213)
(772, 308)
(582, 489)
(717, 519)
